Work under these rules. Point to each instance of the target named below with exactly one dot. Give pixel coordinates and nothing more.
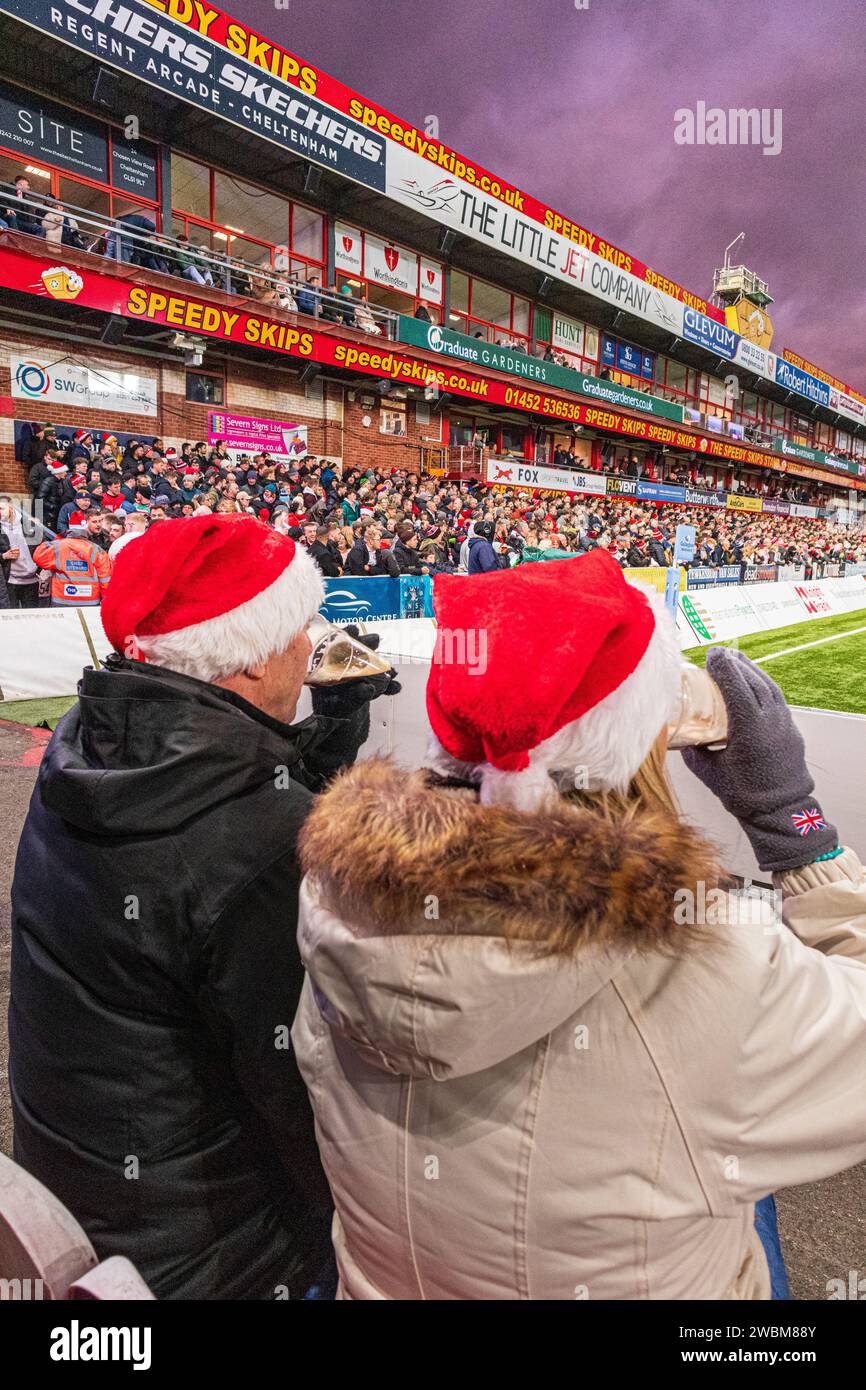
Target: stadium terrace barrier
(719, 613)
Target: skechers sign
(715, 337)
(131, 37)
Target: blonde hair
(650, 790)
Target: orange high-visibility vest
(81, 571)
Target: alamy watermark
(737, 126)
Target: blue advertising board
(707, 333)
(684, 545)
(660, 492)
(366, 598)
(801, 382)
(625, 357)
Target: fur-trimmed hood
(427, 919)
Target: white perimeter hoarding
(502, 473)
(718, 615)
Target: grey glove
(761, 776)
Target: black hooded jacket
(155, 977)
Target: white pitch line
(837, 636)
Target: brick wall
(334, 415)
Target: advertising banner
(474, 350)
(531, 475)
(736, 503)
(348, 249)
(43, 379)
(660, 492)
(626, 357)
(706, 576)
(719, 614)
(701, 577)
(697, 497)
(791, 572)
(805, 385)
(715, 337)
(626, 397)
(777, 508)
(753, 574)
(567, 334)
(813, 598)
(48, 133)
(251, 434)
(119, 295)
(775, 605)
(479, 353)
(390, 265)
(145, 42)
(351, 600)
(655, 576)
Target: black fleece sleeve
(252, 984)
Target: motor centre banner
(251, 434)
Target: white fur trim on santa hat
(600, 751)
(248, 635)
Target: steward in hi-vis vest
(80, 571)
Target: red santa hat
(80, 435)
(57, 467)
(170, 454)
(210, 595)
(560, 668)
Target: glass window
(491, 304)
(677, 375)
(205, 389)
(308, 232)
(242, 208)
(190, 187)
(461, 432)
(79, 195)
(459, 291)
(521, 315)
(392, 419)
(512, 439)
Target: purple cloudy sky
(577, 107)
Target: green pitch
(829, 676)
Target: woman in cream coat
(550, 1054)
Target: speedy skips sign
(144, 41)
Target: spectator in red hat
(550, 1054)
(163, 936)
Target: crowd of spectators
(135, 239)
(386, 522)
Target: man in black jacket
(53, 493)
(405, 550)
(367, 556)
(155, 972)
(320, 549)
